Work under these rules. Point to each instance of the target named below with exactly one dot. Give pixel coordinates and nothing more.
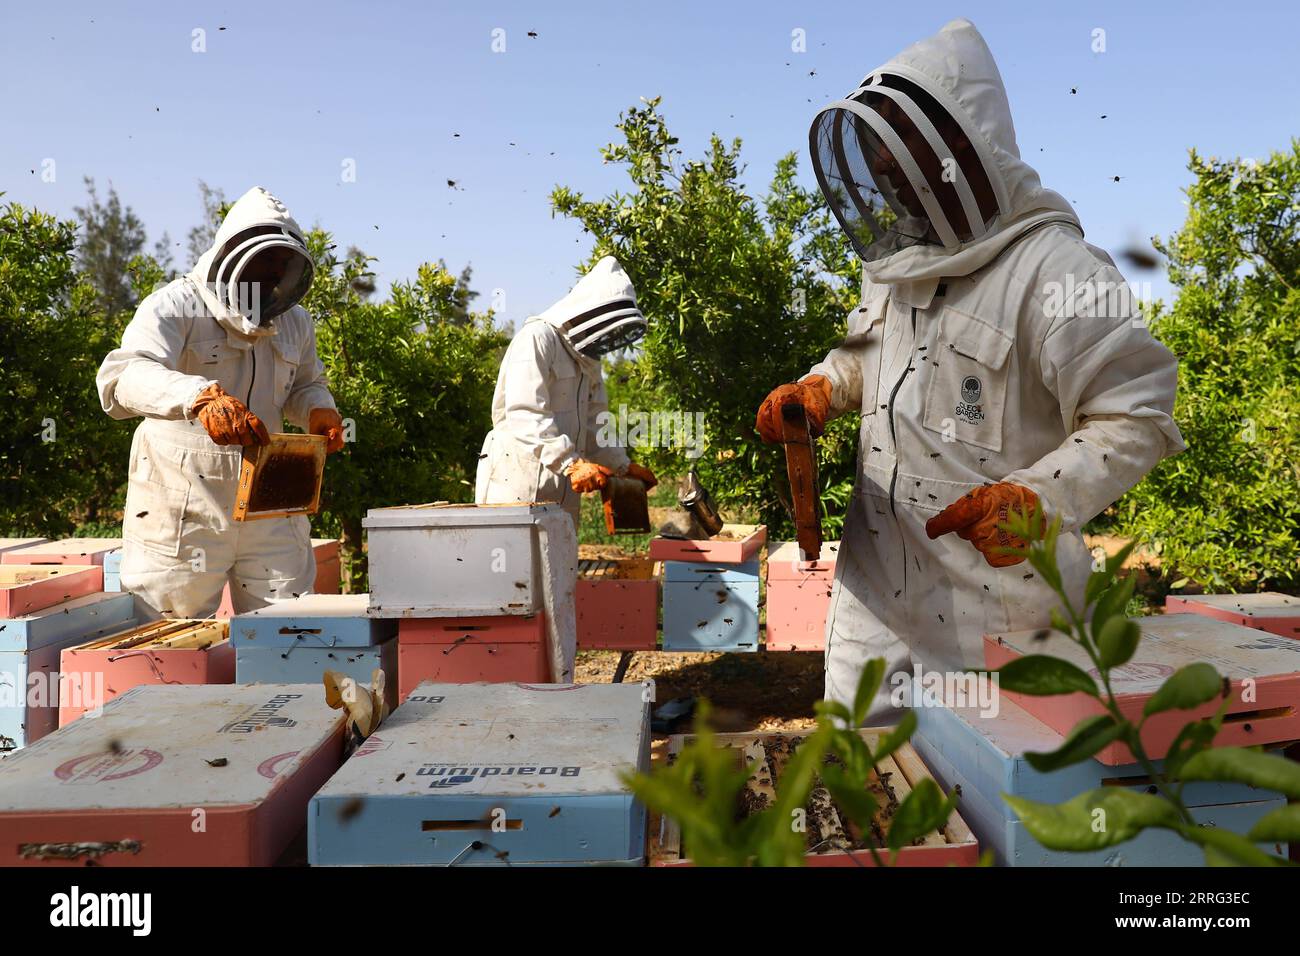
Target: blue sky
(288, 92)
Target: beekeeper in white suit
(211, 360)
(546, 441)
(996, 359)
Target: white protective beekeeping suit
(550, 394)
(990, 345)
(180, 544)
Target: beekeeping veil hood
(928, 138)
(258, 266)
(599, 314)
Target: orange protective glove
(327, 422)
(227, 419)
(975, 517)
(813, 393)
(588, 476)
(643, 474)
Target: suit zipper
(893, 435)
(248, 400)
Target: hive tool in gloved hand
(801, 467)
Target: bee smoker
(695, 498)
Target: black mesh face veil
(897, 170)
(261, 272)
(606, 328)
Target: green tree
(1226, 513)
(413, 384)
(61, 459)
(742, 294)
(111, 236)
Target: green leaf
(1189, 687)
(1087, 738)
(1239, 765)
(898, 736)
(922, 811)
(1117, 642)
(1094, 820)
(1116, 561)
(1280, 826)
(852, 798)
(1060, 623)
(1191, 740)
(1098, 581)
(1042, 675)
(868, 683)
(833, 708)
(1113, 601)
(1225, 848)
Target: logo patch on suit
(968, 409)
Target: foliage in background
(1226, 513)
(700, 790)
(742, 294)
(1108, 816)
(62, 460)
(414, 376)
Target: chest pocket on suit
(565, 400)
(286, 368)
(866, 337)
(215, 359)
(967, 395)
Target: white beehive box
(215, 775)
(446, 560)
(492, 774)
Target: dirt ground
(758, 691)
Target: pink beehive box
(10, 544)
(1269, 611)
(328, 575)
(160, 652)
(1264, 670)
(734, 544)
(467, 650)
(25, 588)
(131, 786)
(66, 551)
(798, 597)
(617, 604)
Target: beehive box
(113, 570)
(307, 664)
(1268, 713)
(1276, 613)
(9, 544)
(798, 597)
(313, 620)
(445, 560)
(734, 544)
(160, 652)
(832, 841)
(30, 646)
(617, 604)
(215, 775)
(492, 775)
(710, 607)
(281, 478)
(984, 756)
(471, 650)
(65, 551)
(25, 588)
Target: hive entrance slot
(454, 825)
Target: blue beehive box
(113, 570)
(710, 607)
(492, 775)
(296, 641)
(312, 620)
(29, 660)
(984, 756)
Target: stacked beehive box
(30, 646)
(328, 574)
(711, 590)
(981, 753)
(618, 604)
(465, 585)
(492, 775)
(980, 747)
(82, 551)
(172, 776)
(296, 641)
(159, 652)
(1276, 613)
(798, 597)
